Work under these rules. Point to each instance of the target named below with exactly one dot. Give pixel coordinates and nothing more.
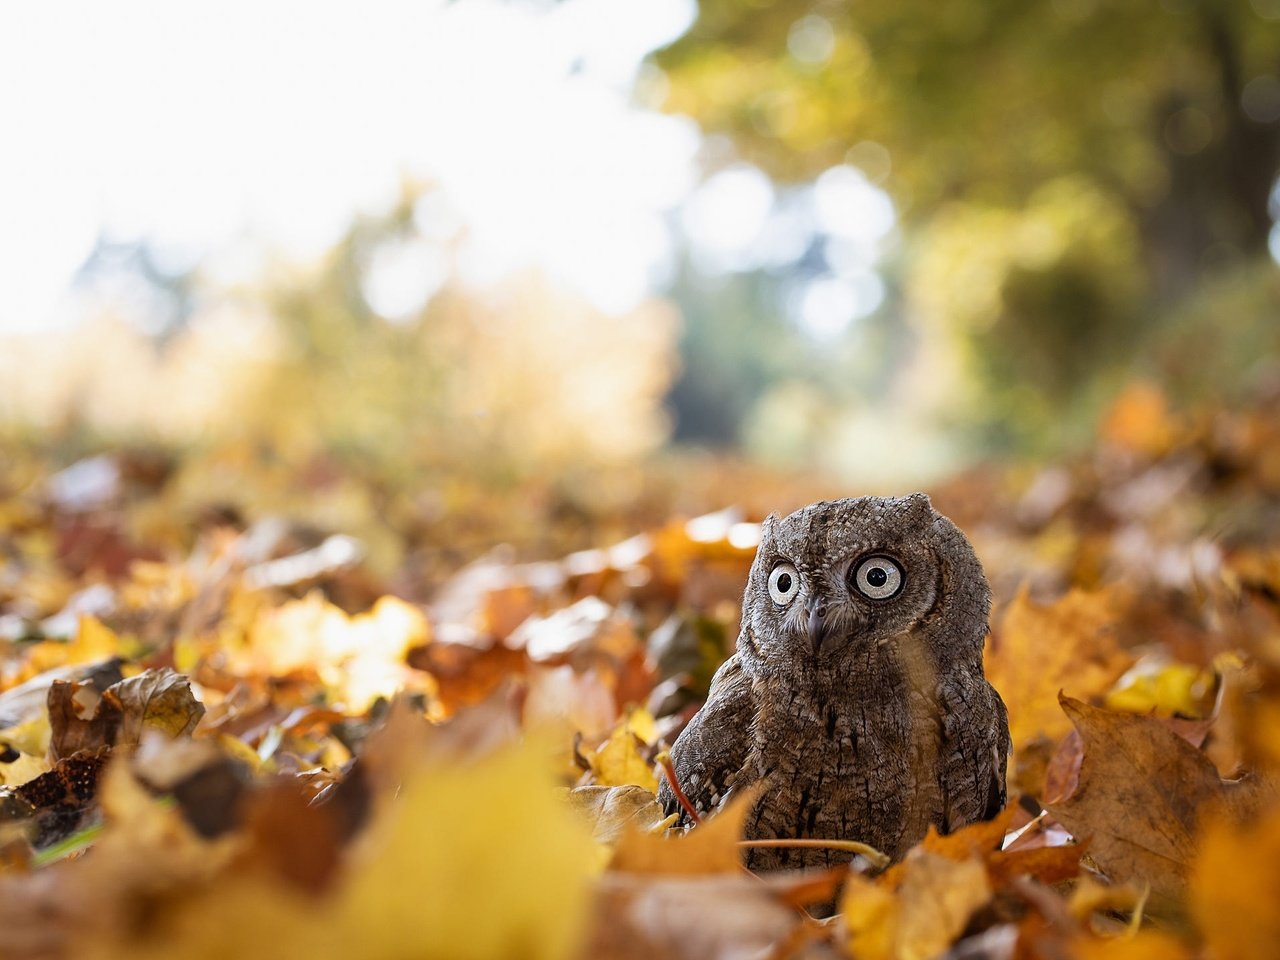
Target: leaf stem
(878, 859)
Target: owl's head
(837, 575)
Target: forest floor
(228, 731)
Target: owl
(856, 697)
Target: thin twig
(669, 771)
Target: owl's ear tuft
(766, 527)
(919, 507)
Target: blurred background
(515, 266)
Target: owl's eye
(784, 583)
(878, 578)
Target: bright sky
(212, 129)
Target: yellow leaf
(93, 641)
(1145, 945)
(1037, 650)
(468, 860)
(710, 847)
(610, 810)
(360, 658)
(620, 759)
(31, 736)
(27, 767)
(936, 897)
(1165, 689)
(871, 914)
(1235, 887)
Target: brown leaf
(298, 842)
(159, 699)
(1049, 865)
(640, 917)
(612, 810)
(1139, 792)
(80, 718)
(464, 674)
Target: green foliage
(1067, 173)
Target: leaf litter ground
(228, 737)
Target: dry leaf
(612, 810)
(710, 847)
(156, 699)
(81, 718)
(1036, 651)
(1235, 887)
(1049, 865)
(686, 918)
(1144, 945)
(934, 900)
(621, 758)
(1137, 797)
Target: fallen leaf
(621, 758)
(613, 810)
(1049, 865)
(973, 840)
(1037, 650)
(686, 918)
(155, 699)
(1235, 887)
(83, 719)
(710, 847)
(93, 643)
(934, 900)
(871, 917)
(1166, 688)
(464, 674)
(1137, 797)
(1144, 945)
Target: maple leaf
(1038, 649)
(1137, 796)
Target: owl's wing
(975, 748)
(712, 749)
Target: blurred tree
(1066, 172)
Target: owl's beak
(817, 610)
